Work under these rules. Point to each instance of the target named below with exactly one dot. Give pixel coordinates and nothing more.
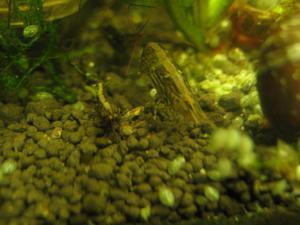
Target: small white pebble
(78, 106)
(8, 167)
(246, 144)
(146, 212)
(217, 140)
(225, 168)
(233, 139)
(211, 193)
(247, 160)
(175, 165)
(298, 172)
(166, 196)
(202, 171)
(153, 93)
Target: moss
(27, 42)
(15, 57)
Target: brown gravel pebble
(40, 122)
(11, 112)
(94, 203)
(230, 206)
(101, 170)
(143, 188)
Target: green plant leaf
(181, 17)
(145, 3)
(195, 17)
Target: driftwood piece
(169, 83)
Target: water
(113, 130)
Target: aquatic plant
(193, 17)
(17, 61)
(28, 41)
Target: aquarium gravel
(74, 163)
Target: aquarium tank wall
(180, 112)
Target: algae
(28, 47)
